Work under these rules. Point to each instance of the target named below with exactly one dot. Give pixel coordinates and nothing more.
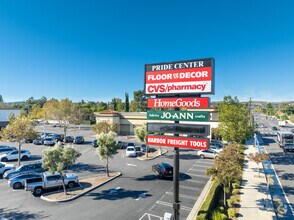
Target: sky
(96, 50)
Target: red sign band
(181, 142)
(178, 102)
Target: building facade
(4, 115)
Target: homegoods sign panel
(182, 77)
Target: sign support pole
(176, 174)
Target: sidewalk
(255, 201)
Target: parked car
(49, 142)
(164, 170)
(216, 144)
(79, 140)
(25, 168)
(274, 128)
(6, 149)
(29, 140)
(131, 151)
(69, 139)
(119, 144)
(143, 148)
(58, 137)
(18, 181)
(4, 167)
(48, 181)
(13, 155)
(95, 144)
(207, 154)
(215, 149)
(38, 141)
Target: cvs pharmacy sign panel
(182, 77)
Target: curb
(202, 197)
(151, 158)
(79, 195)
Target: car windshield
(130, 149)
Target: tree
(269, 109)
(59, 158)
(1, 99)
(139, 103)
(106, 147)
(11, 117)
(36, 113)
(127, 105)
(104, 127)
(141, 133)
(19, 130)
(101, 106)
(234, 121)
(227, 167)
(64, 111)
(259, 158)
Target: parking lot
(141, 192)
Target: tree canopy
(234, 120)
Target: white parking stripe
(171, 205)
(197, 170)
(182, 195)
(198, 175)
(195, 181)
(198, 165)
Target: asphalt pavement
(137, 194)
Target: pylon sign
(182, 77)
(185, 102)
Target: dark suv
(164, 170)
(25, 168)
(69, 139)
(79, 140)
(6, 149)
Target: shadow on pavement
(114, 194)
(89, 168)
(281, 158)
(183, 156)
(9, 213)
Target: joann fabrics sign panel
(182, 142)
(182, 77)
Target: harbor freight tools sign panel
(182, 77)
(190, 129)
(178, 102)
(181, 142)
(177, 115)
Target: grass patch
(209, 203)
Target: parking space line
(195, 181)
(198, 165)
(198, 175)
(150, 215)
(182, 195)
(171, 205)
(197, 170)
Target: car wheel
(17, 185)
(38, 191)
(71, 184)
(4, 159)
(25, 157)
(202, 156)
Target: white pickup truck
(48, 181)
(282, 123)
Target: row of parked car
(34, 178)
(8, 153)
(48, 139)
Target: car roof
(166, 165)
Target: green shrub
(209, 202)
(221, 209)
(230, 202)
(236, 191)
(236, 185)
(217, 215)
(232, 213)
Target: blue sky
(96, 50)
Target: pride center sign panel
(184, 77)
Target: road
(282, 162)
(137, 194)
